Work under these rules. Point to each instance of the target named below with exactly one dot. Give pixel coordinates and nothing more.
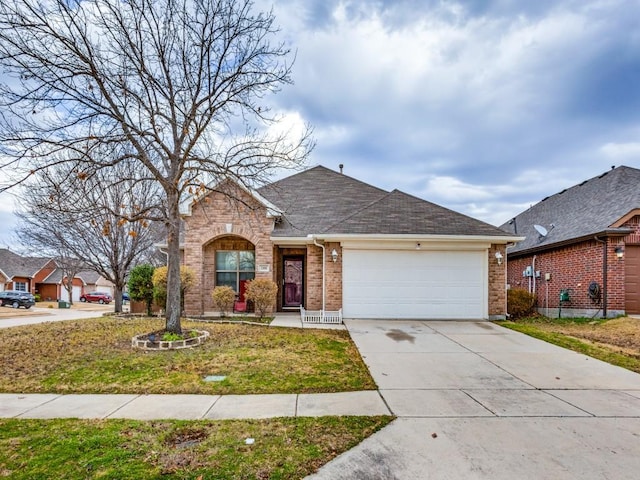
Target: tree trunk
(117, 298)
(68, 286)
(173, 264)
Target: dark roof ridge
(581, 211)
(366, 207)
(323, 168)
(617, 170)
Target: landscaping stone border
(143, 343)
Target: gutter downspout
(315, 242)
(605, 258)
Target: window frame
(238, 271)
(22, 284)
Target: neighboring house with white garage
(43, 276)
(332, 243)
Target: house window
(235, 268)
(20, 286)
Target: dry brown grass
(621, 333)
(95, 356)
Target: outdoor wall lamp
(499, 258)
(619, 251)
(334, 255)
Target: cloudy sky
(482, 106)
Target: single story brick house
(22, 273)
(334, 243)
(583, 243)
(43, 276)
(85, 281)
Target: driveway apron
(477, 401)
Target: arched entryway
(227, 260)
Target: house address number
(264, 268)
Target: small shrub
(520, 303)
(37, 297)
(141, 285)
(262, 292)
(159, 280)
(171, 337)
(223, 298)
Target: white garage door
(64, 295)
(414, 284)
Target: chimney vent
(341, 167)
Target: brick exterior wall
(219, 222)
(574, 267)
(314, 278)
(497, 283)
(333, 271)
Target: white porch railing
(320, 316)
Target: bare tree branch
(181, 84)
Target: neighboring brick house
(331, 242)
(23, 273)
(584, 242)
(43, 276)
(86, 281)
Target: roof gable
(589, 208)
(14, 265)
(230, 188)
(313, 200)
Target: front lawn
(616, 341)
(285, 448)
(95, 356)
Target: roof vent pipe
(341, 167)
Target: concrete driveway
(477, 401)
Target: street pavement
(10, 317)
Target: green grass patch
(95, 356)
(284, 448)
(601, 352)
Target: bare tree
(181, 82)
(70, 267)
(88, 225)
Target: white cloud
(621, 151)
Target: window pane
(247, 261)
(247, 275)
(21, 286)
(226, 261)
(229, 279)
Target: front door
(293, 282)
(632, 279)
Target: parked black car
(15, 299)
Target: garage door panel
(407, 284)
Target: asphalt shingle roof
(578, 212)
(317, 198)
(15, 265)
(320, 200)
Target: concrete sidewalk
(191, 407)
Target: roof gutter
(610, 232)
(336, 237)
